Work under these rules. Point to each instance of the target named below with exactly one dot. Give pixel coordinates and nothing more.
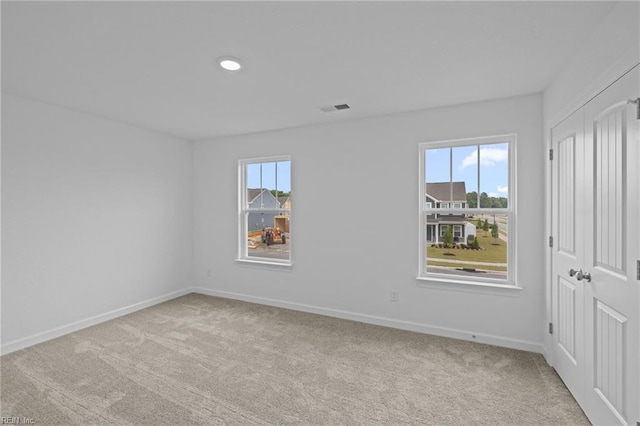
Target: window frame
(244, 210)
(510, 212)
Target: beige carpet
(205, 360)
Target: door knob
(572, 272)
(583, 276)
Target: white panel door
(567, 295)
(612, 215)
(596, 211)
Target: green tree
(472, 200)
(280, 193)
(494, 231)
(485, 225)
(475, 244)
(485, 202)
(448, 238)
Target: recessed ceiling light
(230, 64)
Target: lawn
(492, 252)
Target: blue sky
(494, 167)
(270, 171)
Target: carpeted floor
(206, 360)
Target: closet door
(596, 254)
(611, 216)
(568, 250)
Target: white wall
(96, 216)
(355, 222)
(612, 49)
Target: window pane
(269, 235)
(252, 177)
(451, 246)
(438, 176)
(284, 177)
(269, 176)
(494, 175)
(465, 175)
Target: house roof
(444, 219)
(252, 193)
(282, 200)
(441, 191)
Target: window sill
(265, 264)
(508, 290)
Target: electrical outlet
(395, 294)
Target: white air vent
(330, 108)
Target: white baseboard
(353, 316)
(386, 322)
(25, 342)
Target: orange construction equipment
(273, 235)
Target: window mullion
(478, 171)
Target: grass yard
(494, 252)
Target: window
(265, 210)
(469, 236)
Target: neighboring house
(285, 203)
(261, 198)
(283, 220)
(447, 195)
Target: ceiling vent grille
(330, 108)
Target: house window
(475, 221)
(428, 204)
(265, 210)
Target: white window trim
(431, 279)
(243, 211)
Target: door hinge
(637, 102)
(638, 274)
(550, 328)
(550, 155)
(550, 241)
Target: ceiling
(153, 64)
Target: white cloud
(504, 188)
(488, 157)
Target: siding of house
(259, 220)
